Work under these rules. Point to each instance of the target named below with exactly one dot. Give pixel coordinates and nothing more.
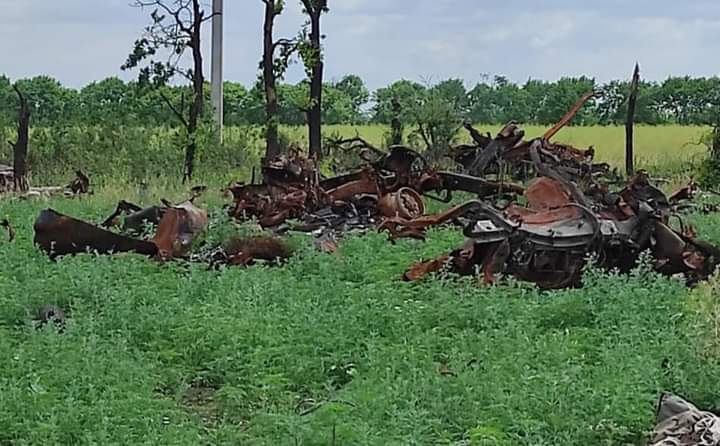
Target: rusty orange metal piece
(178, 228)
(422, 269)
(405, 203)
(568, 116)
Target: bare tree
(273, 68)
(312, 57)
(20, 147)
(176, 26)
(630, 122)
(396, 126)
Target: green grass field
(132, 154)
(336, 350)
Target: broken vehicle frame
(549, 242)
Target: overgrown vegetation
(332, 350)
(710, 169)
(134, 154)
(137, 154)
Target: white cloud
(79, 41)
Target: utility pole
(217, 64)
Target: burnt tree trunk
(198, 80)
(396, 127)
(315, 9)
(629, 124)
(315, 112)
(272, 148)
(20, 147)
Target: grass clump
(334, 349)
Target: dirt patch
(199, 400)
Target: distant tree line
(677, 100)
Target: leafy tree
(295, 102)
(236, 100)
(338, 106)
(481, 106)
(114, 103)
(7, 100)
(408, 93)
(453, 92)
(50, 103)
(562, 95)
(354, 88)
(106, 103)
(176, 26)
(436, 121)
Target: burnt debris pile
(571, 210)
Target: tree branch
(355, 143)
(179, 115)
(205, 19)
(181, 24)
(285, 43)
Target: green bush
(134, 153)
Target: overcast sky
(79, 41)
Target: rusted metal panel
(59, 235)
(178, 228)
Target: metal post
(217, 64)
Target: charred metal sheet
(476, 185)
(686, 192)
(422, 269)
(178, 228)
(508, 154)
(366, 183)
(510, 135)
(59, 235)
(136, 218)
(245, 251)
(681, 423)
(399, 227)
(79, 185)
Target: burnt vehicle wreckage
(549, 240)
(570, 214)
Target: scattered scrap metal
(6, 178)
(78, 186)
(60, 235)
(137, 218)
(681, 423)
(509, 152)
(548, 240)
(388, 187)
(246, 251)
(569, 213)
(177, 227)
